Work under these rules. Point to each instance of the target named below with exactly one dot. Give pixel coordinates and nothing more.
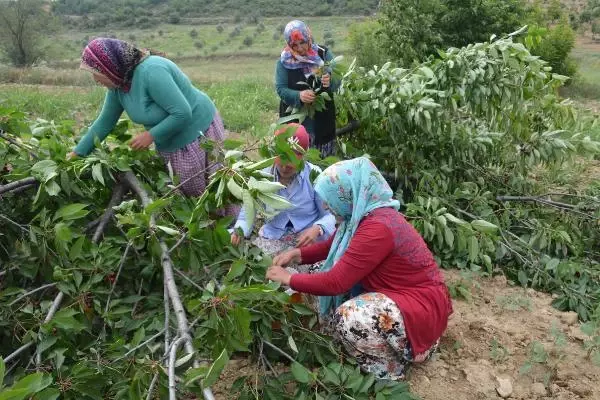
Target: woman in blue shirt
(304, 223)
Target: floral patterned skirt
(288, 241)
(371, 328)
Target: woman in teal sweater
(157, 94)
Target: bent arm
(106, 121)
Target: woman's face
(104, 81)
(300, 47)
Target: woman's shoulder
(386, 217)
(155, 63)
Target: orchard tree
(22, 26)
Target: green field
(179, 41)
(238, 77)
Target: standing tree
(22, 24)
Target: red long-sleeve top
(386, 255)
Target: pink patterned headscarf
(114, 59)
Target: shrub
(248, 41)
(220, 28)
(193, 33)
(198, 44)
(555, 46)
(366, 43)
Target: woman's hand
(279, 274)
(309, 236)
(307, 96)
(235, 239)
(142, 141)
(72, 155)
(287, 257)
(326, 80)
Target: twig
(286, 355)
(121, 263)
(151, 388)
(22, 227)
(172, 385)
(277, 349)
(159, 333)
(184, 276)
(139, 294)
(176, 245)
(15, 143)
(197, 174)
(49, 285)
(53, 309)
(17, 352)
(2, 273)
(115, 200)
(17, 184)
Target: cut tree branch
(536, 199)
(172, 359)
(3, 135)
(15, 301)
(121, 263)
(115, 200)
(182, 322)
(9, 187)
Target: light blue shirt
(307, 209)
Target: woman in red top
(404, 306)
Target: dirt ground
(490, 340)
(487, 347)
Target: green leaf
(300, 373)
(97, 173)
(473, 248)
(33, 383)
(48, 394)
(523, 279)
(44, 170)
(139, 335)
(71, 212)
(76, 248)
(63, 232)
(292, 344)
(64, 319)
(449, 237)
(237, 268)
(46, 344)
(156, 205)
(193, 374)
(52, 188)
(215, 369)
(484, 226)
(14, 394)
(167, 230)
(231, 144)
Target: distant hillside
(93, 13)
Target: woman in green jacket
(157, 94)
(299, 62)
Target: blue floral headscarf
(298, 31)
(351, 189)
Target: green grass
(177, 42)
(586, 84)
(247, 105)
(54, 102)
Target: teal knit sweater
(161, 98)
